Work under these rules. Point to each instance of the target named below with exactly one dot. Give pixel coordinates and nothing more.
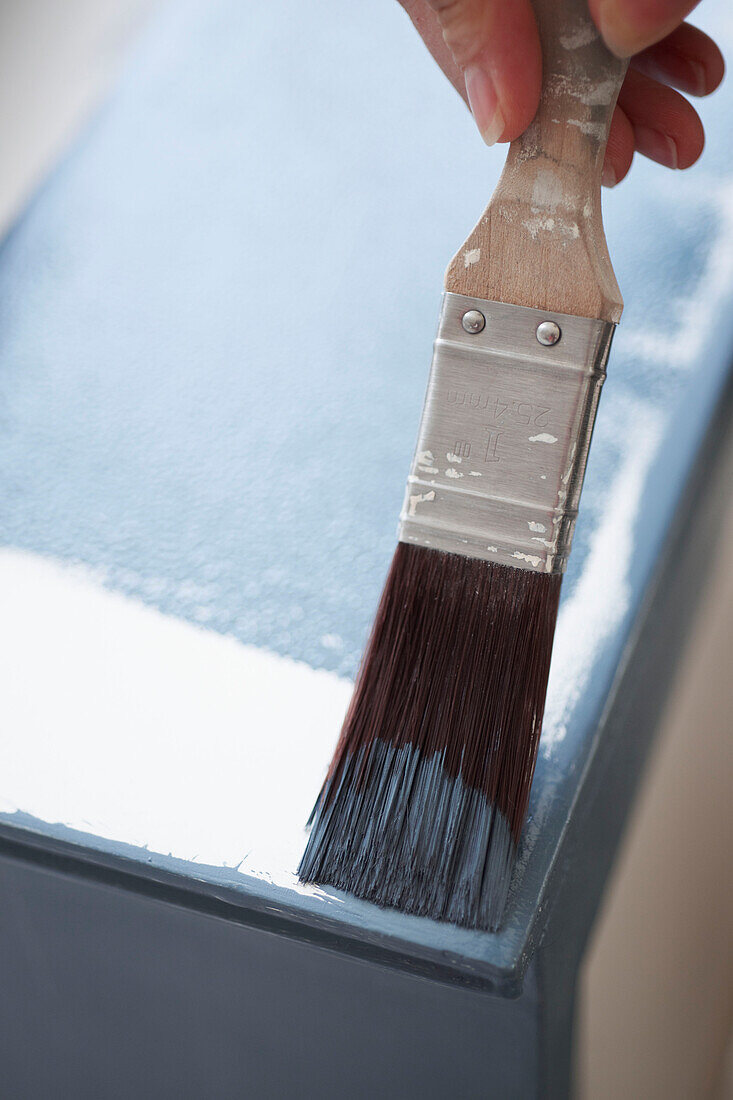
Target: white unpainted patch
(543, 437)
(583, 35)
(475, 473)
(471, 256)
(454, 458)
(454, 474)
(531, 559)
(428, 469)
(420, 498)
(534, 526)
(212, 751)
(679, 345)
(493, 549)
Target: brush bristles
(427, 792)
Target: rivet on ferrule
(473, 321)
(548, 333)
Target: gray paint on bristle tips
(428, 789)
(414, 838)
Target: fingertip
(660, 115)
(713, 65)
(517, 71)
(628, 26)
(619, 150)
(518, 107)
(691, 143)
(483, 101)
(511, 59)
(719, 73)
(687, 59)
(618, 32)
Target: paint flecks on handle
(420, 498)
(583, 35)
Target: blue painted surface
(215, 329)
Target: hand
(490, 51)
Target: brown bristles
(427, 792)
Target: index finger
(490, 51)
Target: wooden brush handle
(540, 241)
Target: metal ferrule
(505, 433)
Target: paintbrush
(425, 799)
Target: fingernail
(484, 103)
(608, 176)
(656, 145)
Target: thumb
(496, 47)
